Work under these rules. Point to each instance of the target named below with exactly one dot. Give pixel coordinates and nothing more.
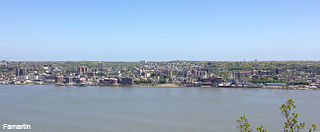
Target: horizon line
(160, 61)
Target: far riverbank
(168, 86)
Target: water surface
(116, 109)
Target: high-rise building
(100, 66)
(143, 61)
(82, 69)
(279, 71)
(17, 72)
(21, 72)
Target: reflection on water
(114, 109)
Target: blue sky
(159, 30)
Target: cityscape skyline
(159, 30)
(160, 65)
(285, 75)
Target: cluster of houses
(180, 73)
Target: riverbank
(167, 86)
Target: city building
(100, 66)
(82, 69)
(127, 81)
(21, 72)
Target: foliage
(260, 129)
(266, 81)
(244, 125)
(291, 123)
(299, 83)
(100, 74)
(143, 81)
(162, 80)
(313, 129)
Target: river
(126, 109)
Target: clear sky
(159, 30)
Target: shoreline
(166, 86)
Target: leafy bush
(291, 123)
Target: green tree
(244, 125)
(313, 128)
(260, 129)
(291, 124)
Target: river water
(116, 109)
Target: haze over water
(116, 109)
